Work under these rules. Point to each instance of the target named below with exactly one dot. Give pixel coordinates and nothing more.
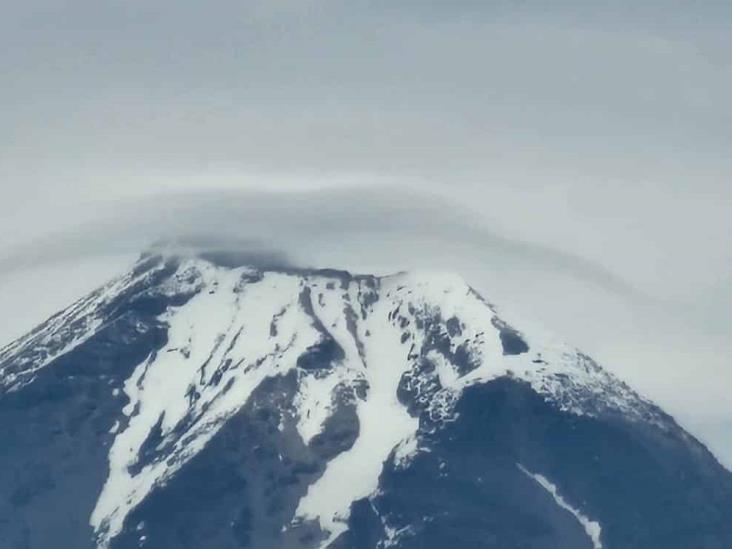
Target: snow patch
(315, 401)
(405, 452)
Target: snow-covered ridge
(64, 331)
(411, 342)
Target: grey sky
(589, 146)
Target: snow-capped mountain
(196, 403)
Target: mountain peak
(254, 258)
(352, 377)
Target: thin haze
(572, 161)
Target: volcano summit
(196, 403)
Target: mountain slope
(194, 404)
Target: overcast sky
(573, 163)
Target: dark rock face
(648, 489)
(511, 339)
(485, 460)
(320, 356)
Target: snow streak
(591, 527)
